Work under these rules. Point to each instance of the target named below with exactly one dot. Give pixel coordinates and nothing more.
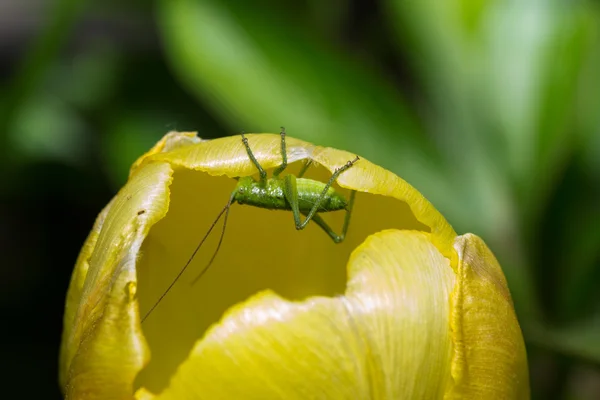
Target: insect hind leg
(315, 207)
(327, 229)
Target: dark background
(491, 109)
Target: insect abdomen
(309, 191)
(272, 195)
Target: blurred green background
(490, 108)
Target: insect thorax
(271, 195)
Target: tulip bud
(403, 308)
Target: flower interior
(261, 250)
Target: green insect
(290, 193)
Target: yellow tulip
(402, 309)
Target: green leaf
(61, 17)
(577, 340)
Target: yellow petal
(103, 347)
(386, 338)
(146, 234)
(262, 249)
(490, 361)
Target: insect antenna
(225, 211)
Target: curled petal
(489, 360)
(385, 338)
(103, 347)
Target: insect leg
(283, 154)
(348, 214)
(291, 194)
(307, 164)
(335, 175)
(261, 171)
(323, 225)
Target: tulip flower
(403, 308)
